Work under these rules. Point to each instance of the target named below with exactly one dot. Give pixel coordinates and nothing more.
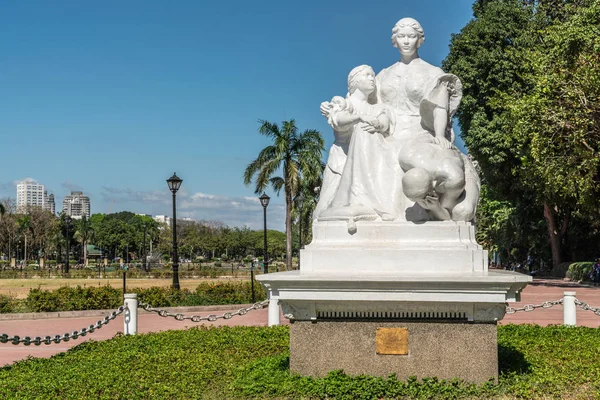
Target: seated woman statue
(424, 99)
(368, 186)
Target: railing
(131, 305)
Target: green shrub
(7, 304)
(74, 299)
(213, 293)
(580, 271)
(252, 362)
(78, 298)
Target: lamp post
(174, 183)
(67, 225)
(264, 201)
(300, 202)
(144, 266)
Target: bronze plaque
(392, 341)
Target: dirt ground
(19, 288)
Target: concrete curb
(102, 313)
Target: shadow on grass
(512, 360)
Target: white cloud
(71, 187)
(28, 179)
(232, 211)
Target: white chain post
(570, 310)
(273, 308)
(130, 318)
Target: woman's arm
(440, 124)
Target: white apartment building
(162, 219)
(77, 205)
(29, 193)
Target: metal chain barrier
(197, 318)
(587, 307)
(4, 338)
(531, 307)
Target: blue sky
(112, 97)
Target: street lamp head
(68, 220)
(174, 183)
(264, 200)
(300, 199)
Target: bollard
(570, 309)
(130, 318)
(273, 308)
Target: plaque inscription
(391, 341)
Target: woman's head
(362, 78)
(407, 35)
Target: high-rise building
(29, 193)
(49, 204)
(77, 205)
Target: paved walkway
(536, 293)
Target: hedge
(580, 271)
(253, 362)
(77, 298)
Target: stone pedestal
(445, 349)
(429, 281)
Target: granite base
(442, 349)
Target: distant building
(29, 193)
(162, 219)
(49, 204)
(77, 205)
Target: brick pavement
(536, 293)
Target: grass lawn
(243, 362)
(19, 288)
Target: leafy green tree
(529, 114)
(559, 121)
(84, 233)
(24, 223)
(296, 156)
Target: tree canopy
(530, 116)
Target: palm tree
(297, 156)
(24, 228)
(305, 203)
(83, 234)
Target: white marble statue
(364, 188)
(394, 158)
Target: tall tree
(24, 223)
(529, 114)
(296, 156)
(83, 234)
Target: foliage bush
(7, 304)
(69, 298)
(251, 362)
(106, 297)
(580, 271)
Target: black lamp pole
(67, 223)
(174, 183)
(264, 201)
(144, 251)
